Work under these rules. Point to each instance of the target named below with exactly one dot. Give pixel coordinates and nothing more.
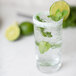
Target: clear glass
(48, 40)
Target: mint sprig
(59, 15)
(39, 19)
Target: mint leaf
(45, 34)
(44, 47)
(37, 43)
(55, 18)
(48, 34)
(49, 16)
(39, 19)
(64, 13)
(42, 29)
(58, 14)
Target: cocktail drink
(48, 40)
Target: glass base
(49, 69)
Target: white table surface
(18, 58)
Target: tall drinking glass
(48, 40)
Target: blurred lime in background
(13, 32)
(26, 28)
(71, 21)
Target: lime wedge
(62, 6)
(13, 32)
(44, 46)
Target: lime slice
(13, 32)
(44, 46)
(60, 5)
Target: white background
(18, 58)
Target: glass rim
(46, 24)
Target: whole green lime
(26, 28)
